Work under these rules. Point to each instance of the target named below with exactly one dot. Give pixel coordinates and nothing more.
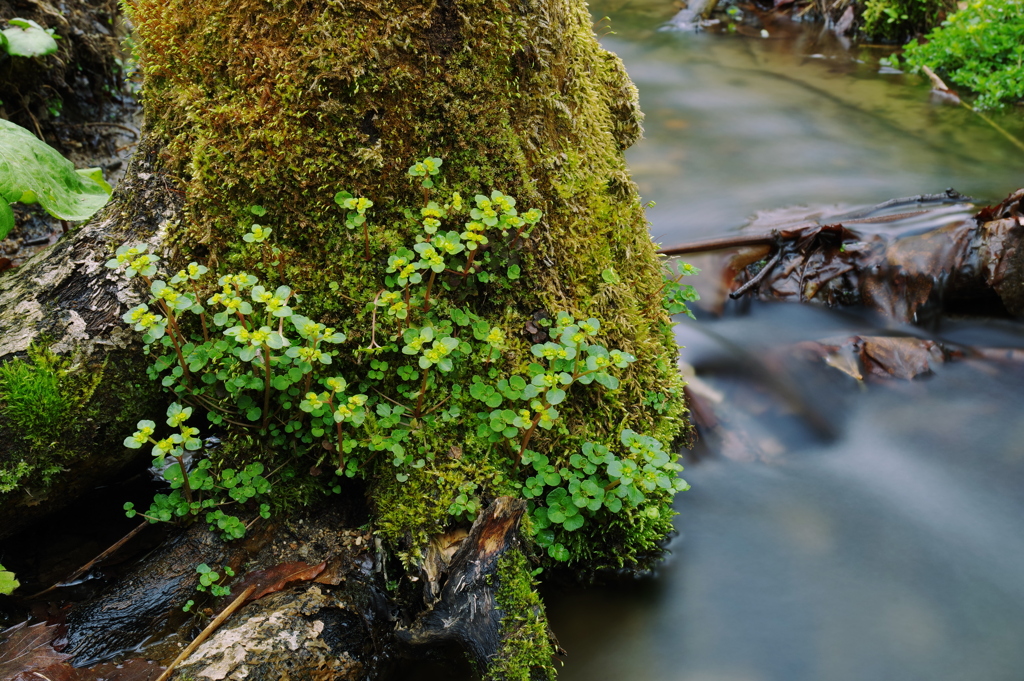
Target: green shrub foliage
(981, 48)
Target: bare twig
(103, 556)
(946, 196)
(855, 217)
(939, 85)
(104, 124)
(721, 243)
(756, 279)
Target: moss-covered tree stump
(294, 106)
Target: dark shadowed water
(845, 532)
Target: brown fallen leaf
(334, 572)
(276, 578)
(130, 670)
(879, 356)
(25, 649)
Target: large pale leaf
(29, 39)
(32, 170)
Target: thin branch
(82, 570)
(721, 243)
(938, 84)
(756, 279)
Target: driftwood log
(139, 603)
(66, 300)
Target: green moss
(56, 417)
(526, 652)
(283, 104)
(410, 512)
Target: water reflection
(736, 125)
(890, 544)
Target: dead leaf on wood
(276, 578)
(1011, 207)
(28, 648)
(334, 573)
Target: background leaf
(29, 165)
(6, 218)
(29, 39)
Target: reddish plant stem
(202, 317)
(184, 479)
(423, 391)
(436, 406)
(518, 234)
(526, 439)
(266, 386)
(469, 262)
(426, 296)
(368, 460)
(373, 322)
(176, 338)
(341, 447)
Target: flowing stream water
(850, 531)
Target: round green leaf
(573, 523)
(558, 552)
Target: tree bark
(466, 614)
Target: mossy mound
(284, 104)
(63, 424)
(526, 652)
